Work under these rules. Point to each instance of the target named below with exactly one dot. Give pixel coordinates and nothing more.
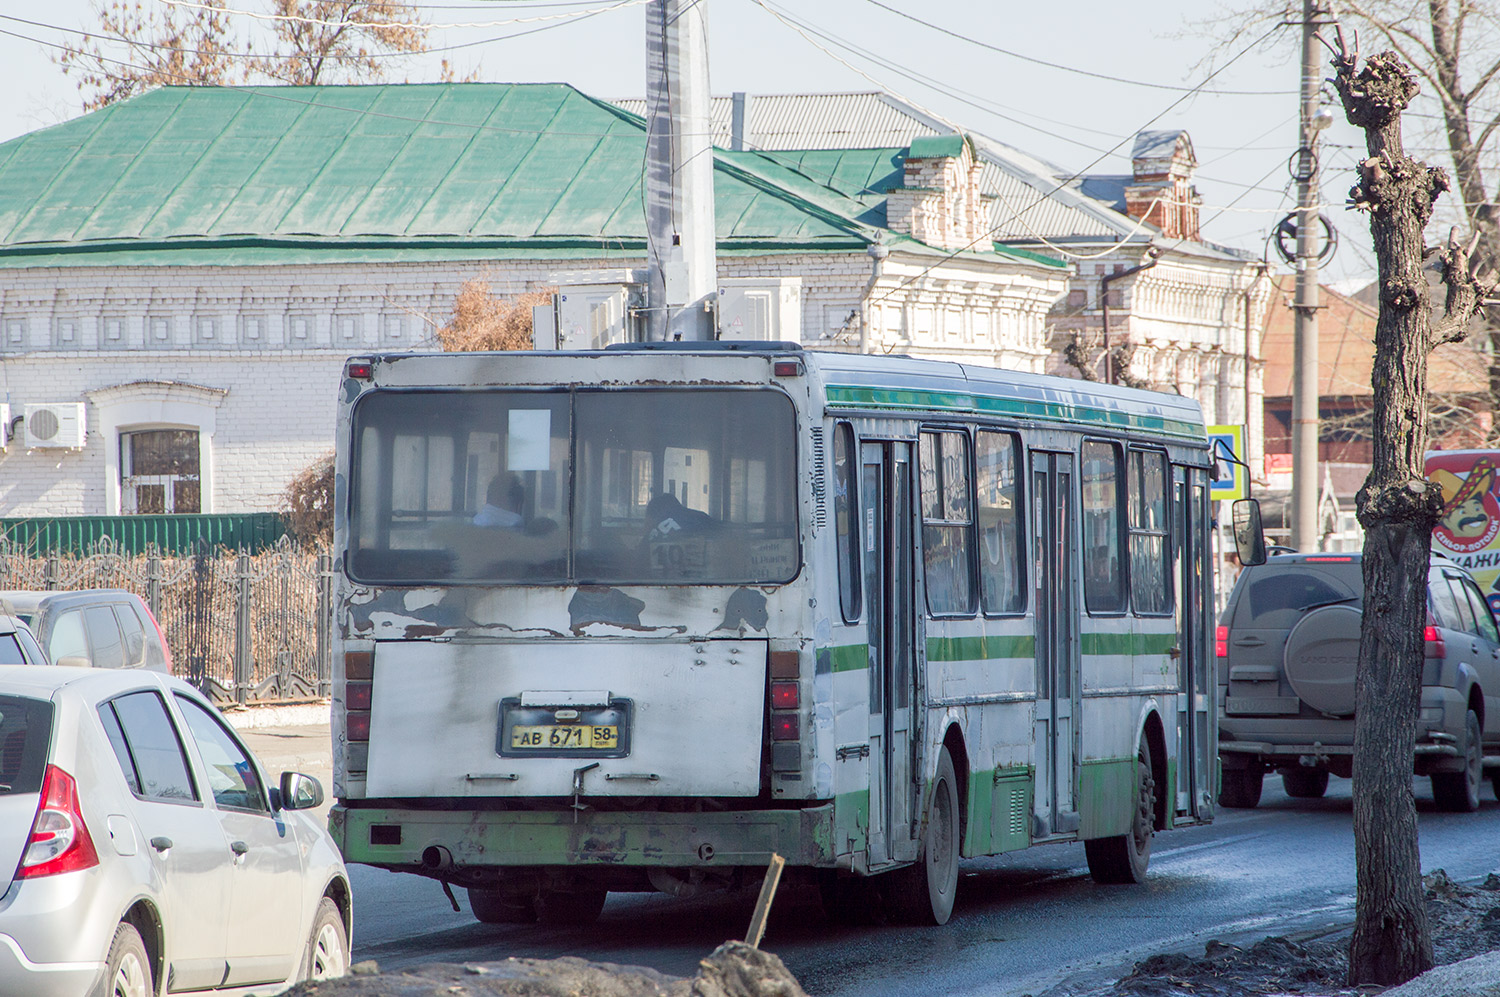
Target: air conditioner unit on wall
(58, 425)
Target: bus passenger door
(1057, 655)
(1195, 748)
(890, 583)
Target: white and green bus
(637, 619)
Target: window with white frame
(159, 471)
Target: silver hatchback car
(144, 851)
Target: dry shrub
(308, 503)
(482, 320)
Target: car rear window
(10, 650)
(1276, 595)
(25, 732)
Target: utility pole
(1305, 343)
(682, 282)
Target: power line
(1074, 69)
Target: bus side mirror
(1249, 537)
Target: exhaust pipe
(436, 858)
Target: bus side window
(947, 519)
(1150, 581)
(1002, 568)
(1103, 496)
(846, 520)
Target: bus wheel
(1241, 789)
(570, 908)
(922, 893)
(1305, 784)
(495, 907)
(1123, 858)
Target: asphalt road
(1028, 923)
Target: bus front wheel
(495, 907)
(1123, 858)
(922, 893)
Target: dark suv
(98, 628)
(1287, 646)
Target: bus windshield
(587, 486)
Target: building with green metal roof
(182, 273)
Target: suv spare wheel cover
(1321, 653)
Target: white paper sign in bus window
(528, 440)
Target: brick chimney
(1162, 192)
(939, 202)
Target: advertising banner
(1468, 527)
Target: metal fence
(244, 628)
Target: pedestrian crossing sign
(1231, 484)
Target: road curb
(278, 715)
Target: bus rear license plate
(601, 731)
(565, 736)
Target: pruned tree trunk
(1391, 942)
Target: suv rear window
(25, 732)
(1276, 595)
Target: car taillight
(1432, 640)
(59, 841)
(1221, 642)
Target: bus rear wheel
(495, 907)
(1123, 858)
(922, 893)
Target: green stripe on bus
(1132, 644)
(849, 657)
(980, 648)
(852, 396)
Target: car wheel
(1123, 858)
(1305, 784)
(127, 972)
(1241, 789)
(1458, 792)
(922, 893)
(328, 946)
(570, 908)
(495, 907)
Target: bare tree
(135, 49)
(482, 320)
(339, 41)
(308, 42)
(1391, 941)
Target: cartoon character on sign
(1470, 516)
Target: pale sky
(1243, 142)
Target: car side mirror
(1249, 536)
(300, 791)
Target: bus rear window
(588, 486)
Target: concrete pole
(682, 284)
(1305, 479)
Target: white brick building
(194, 265)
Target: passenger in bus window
(503, 502)
(668, 517)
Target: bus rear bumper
(396, 837)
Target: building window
(159, 471)
(65, 334)
(15, 334)
(113, 334)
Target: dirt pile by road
(733, 970)
(1465, 921)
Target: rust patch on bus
(601, 604)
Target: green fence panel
(171, 534)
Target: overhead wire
(1074, 69)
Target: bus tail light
(785, 727)
(359, 670)
(357, 695)
(785, 696)
(357, 727)
(1221, 642)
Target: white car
(144, 851)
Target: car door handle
(1248, 642)
(238, 847)
(161, 842)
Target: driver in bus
(670, 519)
(503, 502)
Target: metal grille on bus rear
(1017, 812)
(820, 487)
